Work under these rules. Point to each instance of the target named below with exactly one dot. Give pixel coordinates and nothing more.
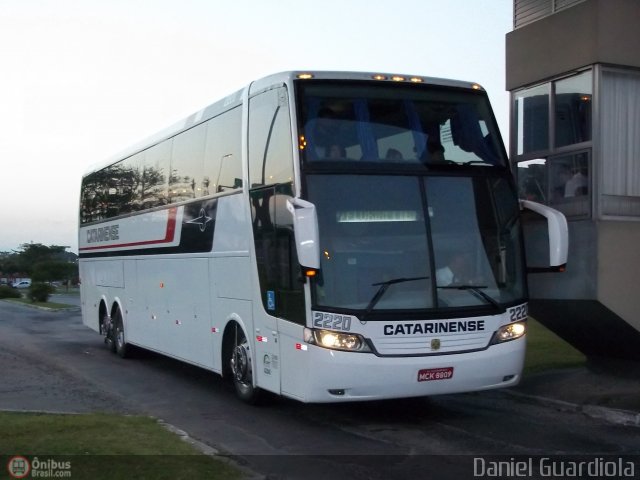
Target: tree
(52, 270)
(9, 264)
(30, 255)
(42, 263)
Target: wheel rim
(241, 364)
(118, 331)
(119, 337)
(104, 325)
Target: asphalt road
(50, 361)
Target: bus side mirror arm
(558, 236)
(305, 227)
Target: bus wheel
(106, 329)
(122, 349)
(242, 369)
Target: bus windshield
(416, 242)
(401, 124)
(412, 212)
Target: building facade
(573, 70)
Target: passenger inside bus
(436, 152)
(336, 152)
(577, 184)
(394, 155)
(459, 270)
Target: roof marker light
(416, 80)
(397, 78)
(379, 77)
(475, 86)
(305, 76)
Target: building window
(572, 104)
(532, 119)
(553, 126)
(620, 133)
(561, 181)
(620, 143)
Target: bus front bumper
(338, 376)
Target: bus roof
(288, 77)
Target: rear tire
(121, 347)
(108, 331)
(241, 365)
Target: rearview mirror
(546, 238)
(305, 227)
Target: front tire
(242, 368)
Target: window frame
(552, 151)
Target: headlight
(350, 342)
(509, 332)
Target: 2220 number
(331, 321)
(518, 313)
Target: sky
(81, 80)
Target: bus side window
(223, 158)
(187, 165)
(270, 148)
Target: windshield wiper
(477, 289)
(383, 288)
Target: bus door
(271, 175)
(279, 274)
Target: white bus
(325, 236)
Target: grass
(547, 351)
(108, 446)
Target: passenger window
(94, 197)
(187, 165)
(155, 175)
(223, 157)
(129, 189)
(121, 187)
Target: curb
(39, 307)
(614, 416)
(184, 436)
(205, 449)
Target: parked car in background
(21, 284)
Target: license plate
(430, 374)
